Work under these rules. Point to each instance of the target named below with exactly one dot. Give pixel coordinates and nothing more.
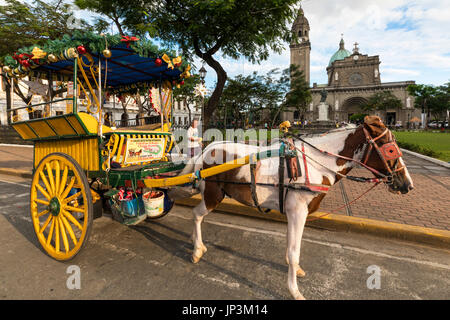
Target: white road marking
(324, 243)
(16, 183)
(231, 285)
(22, 195)
(16, 145)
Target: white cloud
(410, 36)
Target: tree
(186, 93)
(124, 14)
(246, 97)
(423, 94)
(382, 100)
(232, 28)
(299, 96)
(25, 24)
(265, 95)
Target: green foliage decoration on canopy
(94, 43)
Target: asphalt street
(245, 260)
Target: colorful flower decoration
(128, 40)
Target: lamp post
(202, 73)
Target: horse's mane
(348, 126)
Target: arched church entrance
(353, 106)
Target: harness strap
(305, 164)
(281, 178)
(253, 188)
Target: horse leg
(199, 212)
(296, 222)
(212, 195)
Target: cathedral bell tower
(300, 45)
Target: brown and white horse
(350, 143)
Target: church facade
(353, 77)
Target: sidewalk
(428, 205)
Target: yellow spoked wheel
(61, 206)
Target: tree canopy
(261, 98)
(23, 24)
(204, 28)
(382, 100)
(431, 100)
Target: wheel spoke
(74, 209)
(63, 180)
(64, 235)
(69, 187)
(56, 235)
(42, 202)
(58, 177)
(43, 213)
(69, 229)
(44, 179)
(50, 233)
(73, 197)
(44, 193)
(72, 219)
(45, 224)
(50, 177)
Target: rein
(388, 151)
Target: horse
(325, 159)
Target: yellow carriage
(81, 165)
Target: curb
(336, 222)
(17, 173)
(435, 161)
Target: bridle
(386, 152)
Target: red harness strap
(307, 182)
(306, 166)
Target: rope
(334, 211)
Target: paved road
(245, 260)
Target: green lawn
(435, 141)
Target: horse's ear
(373, 121)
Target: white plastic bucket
(154, 204)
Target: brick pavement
(427, 205)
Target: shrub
(419, 149)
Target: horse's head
(385, 156)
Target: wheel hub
(54, 206)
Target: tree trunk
(213, 101)
(8, 100)
(141, 110)
(189, 110)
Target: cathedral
(353, 77)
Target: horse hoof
(195, 259)
(299, 296)
(300, 273)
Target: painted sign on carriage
(143, 150)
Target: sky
(411, 37)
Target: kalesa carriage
(81, 165)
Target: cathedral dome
(341, 54)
